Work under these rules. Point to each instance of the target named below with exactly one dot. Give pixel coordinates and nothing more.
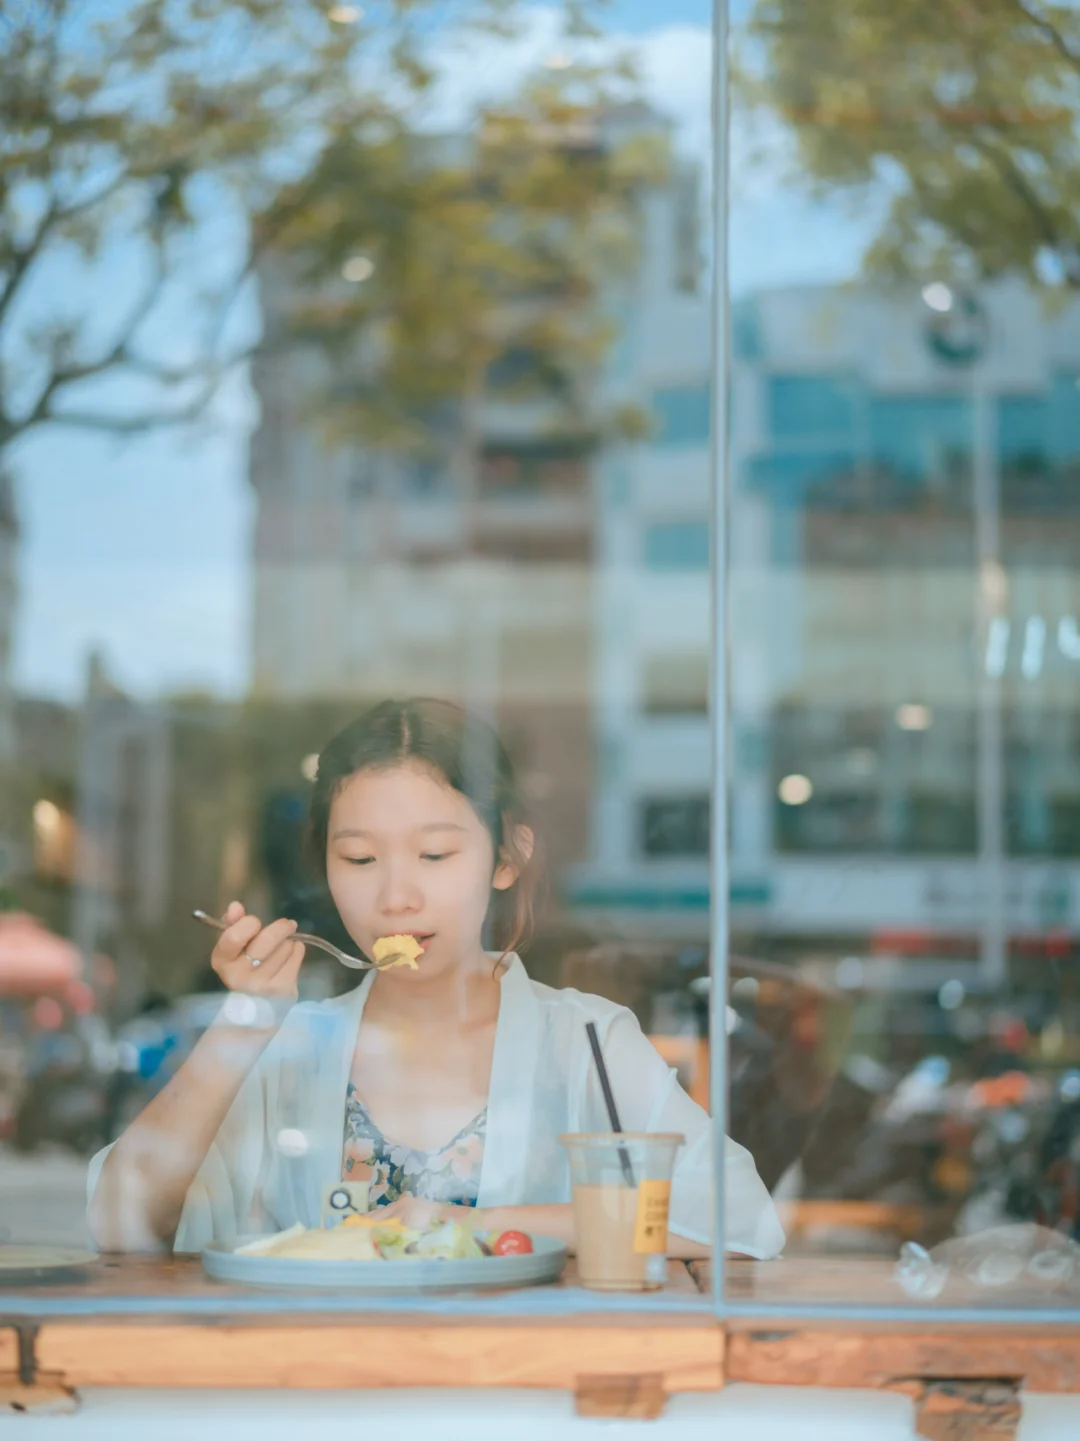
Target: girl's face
(407, 854)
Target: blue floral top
(450, 1174)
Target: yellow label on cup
(650, 1228)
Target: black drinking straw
(609, 1099)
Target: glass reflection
(434, 296)
(904, 459)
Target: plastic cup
(621, 1185)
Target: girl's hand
(414, 1211)
(279, 957)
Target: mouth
(422, 938)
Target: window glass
(682, 416)
(675, 826)
(904, 658)
(677, 545)
(355, 501)
(806, 405)
(676, 684)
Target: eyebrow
(349, 831)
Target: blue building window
(1039, 448)
(746, 341)
(914, 436)
(677, 545)
(683, 416)
(1064, 419)
(1022, 426)
(674, 826)
(800, 406)
(788, 476)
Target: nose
(399, 894)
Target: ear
(511, 865)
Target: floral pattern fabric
(450, 1174)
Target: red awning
(34, 961)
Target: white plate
(544, 1264)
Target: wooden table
(151, 1285)
(161, 1322)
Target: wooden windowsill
(138, 1322)
(161, 1323)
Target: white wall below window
(766, 1412)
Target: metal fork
(355, 963)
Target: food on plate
(386, 1238)
(336, 1244)
(264, 1244)
(512, 1243)
(406, 948)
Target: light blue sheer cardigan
(280, 1144)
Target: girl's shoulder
(569, 1004)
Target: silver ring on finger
(255, 960)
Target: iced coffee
(621, 1186)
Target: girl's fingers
(264, 945)
(248, 941)
(233, 912)
(274, 976)
(295, 959)
(271, 962)
(236, 939)
(279, 973)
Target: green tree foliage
(128, 129)
(435, 273)
(963, 112)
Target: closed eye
(442, 856)
(359, 860)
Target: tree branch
(25, 257)
(45, 414)
(130, 424)
(1017, 182)
(119, 353)
(1050, 31)
(80, 207)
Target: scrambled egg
(406, 948)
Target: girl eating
(446, 1086)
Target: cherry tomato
(512, 1243)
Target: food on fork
(406, 948)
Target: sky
(139, 548)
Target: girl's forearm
(558, 1220)
(552, 1220)
(145, 1178)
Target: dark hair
(465, 752)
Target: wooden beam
(633, 1398)
(46, 1397)
(968, 1411)
(684, 1352)
(1043, 1359)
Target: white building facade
(871, 435)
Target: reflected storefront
(904, 453)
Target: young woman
(446, 1086)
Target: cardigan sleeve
(650, 1098)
